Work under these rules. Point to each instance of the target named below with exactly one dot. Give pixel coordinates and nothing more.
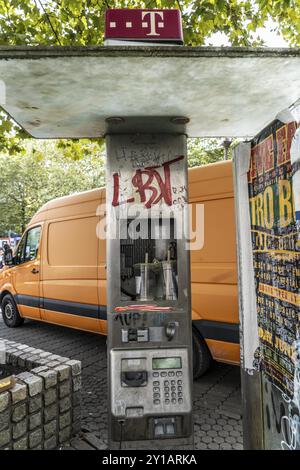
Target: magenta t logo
(152, 15)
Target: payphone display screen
(148, 260)
(166, 363)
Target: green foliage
(81, 22)
(38, 174)
(205, 151)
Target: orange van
(58, 273)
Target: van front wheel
(201, 356)
(10, 314)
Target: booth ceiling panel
(69, 92)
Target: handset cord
(121, 422)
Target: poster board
(276, 252)
(268, 238)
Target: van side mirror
(8, 256)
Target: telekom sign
(144, 25)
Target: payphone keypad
(152, 381)
(167, 387)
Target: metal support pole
(226, 145)
(149, 303)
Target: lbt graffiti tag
(149, 184)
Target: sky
(273, 39)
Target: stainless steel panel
(147, 319)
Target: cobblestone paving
(217, 400)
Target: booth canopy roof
(56, 92)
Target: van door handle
(35, 271)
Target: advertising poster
(273, 197)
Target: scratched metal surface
(146, 172)
(69, 92)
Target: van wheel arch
(4, 293)
(202, 358)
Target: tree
(81, 22)
(38, 174)
(204, 151)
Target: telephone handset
(134, 378)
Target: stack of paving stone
(42, 410)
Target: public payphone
(148, 291)
(148, 276)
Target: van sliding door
(69, 279)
